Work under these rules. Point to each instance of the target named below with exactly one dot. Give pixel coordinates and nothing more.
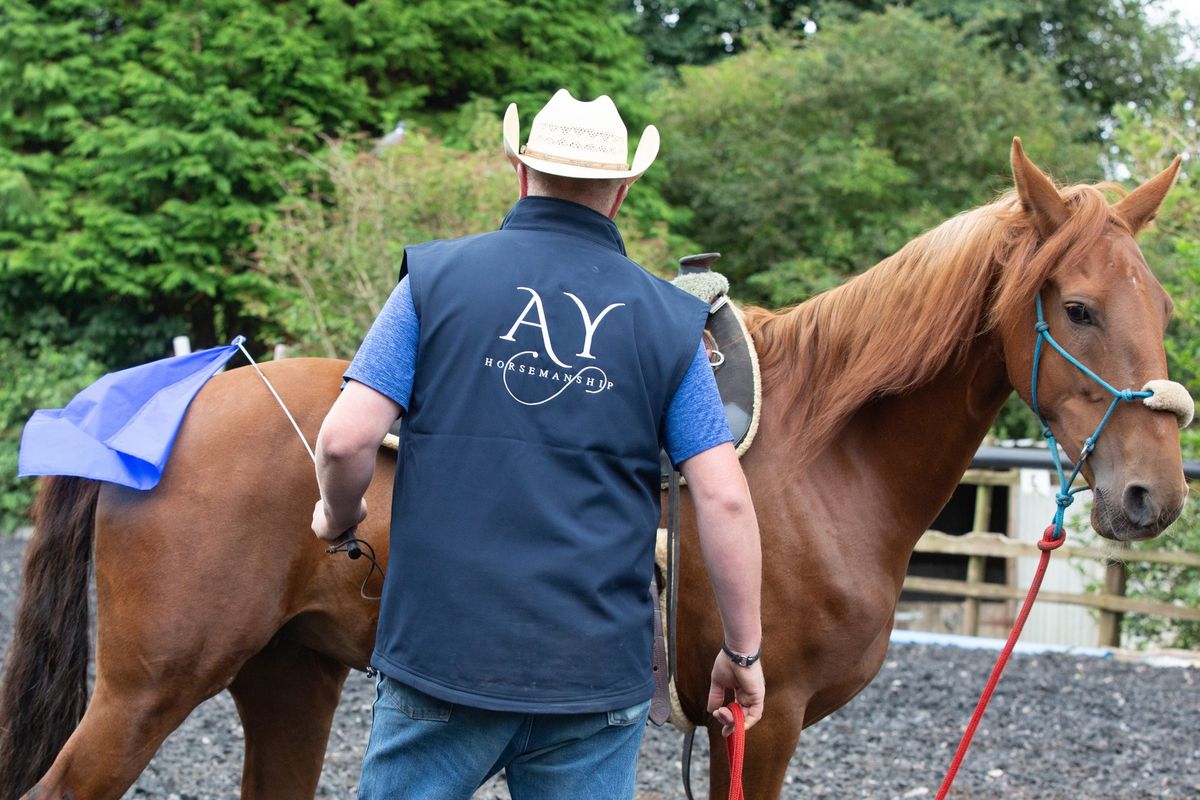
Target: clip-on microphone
(346, 542)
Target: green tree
(427, 59)
(1160, 583)
(1104, 52)
(694, 31)
(1143, 143)
(1166, 583)
(142, 142)
(807, 164)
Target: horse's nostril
(1139, 505)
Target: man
(537, 370)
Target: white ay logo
(591, 377)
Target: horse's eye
(1078, 313)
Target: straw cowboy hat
(577, 139)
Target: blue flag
(121, 428)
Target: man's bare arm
(346, 452)
(729, 541)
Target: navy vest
(527, 483)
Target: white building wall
(1052, 623)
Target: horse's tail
(44, 691)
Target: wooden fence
(980, 545)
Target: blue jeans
(422, 748)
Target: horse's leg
(286, 696)
(156, 657)
(121, 730)
(146, 685)
(769, 747)
(166, 641)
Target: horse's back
(235, 445)
(237, 407)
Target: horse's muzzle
(1141, 512)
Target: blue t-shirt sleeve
(696, 417)
(387, 358)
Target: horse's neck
(917, 446)
(896, 463)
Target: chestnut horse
(875, 397)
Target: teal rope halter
(1066, 495)
(1171, 398)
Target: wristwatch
(741, 660)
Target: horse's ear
(1140, 206)
(1038, 196)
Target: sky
(1189, 11)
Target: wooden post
(970, 626)
(280, 352)
(181, 345)
(983, 508)
(1114, 586)
(975, 564)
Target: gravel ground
(1059, 727)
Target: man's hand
(329, 530)
(748, 689)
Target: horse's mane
(894, 327)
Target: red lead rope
(735, 744)
(1046, 545)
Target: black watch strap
(740, 660)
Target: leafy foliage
(336, 245)
(145, 137)
(1144, 141)
(1167, 583)
(142, 142)
(436, 55)
(1102, 52)
(825, 158)
(1160, 583)
(695, 31)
